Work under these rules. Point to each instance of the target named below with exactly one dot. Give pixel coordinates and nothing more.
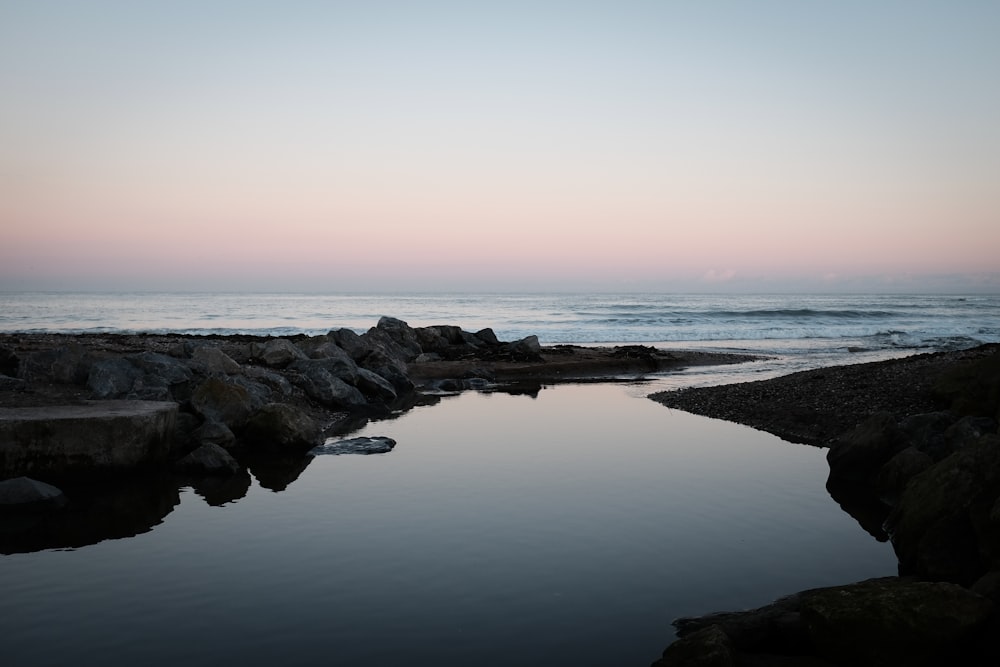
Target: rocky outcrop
(878, 622)
(59, 442)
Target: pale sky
(352, 146)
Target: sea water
(565, 527)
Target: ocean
(567, 527)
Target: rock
(926, 432)
(69, 364)
(57, 442)
(320, 385)
(708, 647)
(113, 378)
(24, 492)
(281, 426)
(9, 361)
(209, 459)
(216, 399)
(363, 445)
(214, 433)
(972, 388)
(354, 345)
(8, 383)
(168, 369)
(941, 527)
(899, 470)
(858, 455)
(342, 367)
(526, 349)
(209, 359)
(487, 336)
(374, 386)
(988, 586)
(427, 357)
(276, 382)
(277, 353)
(892, 621)
(968, 429)
(402, 336)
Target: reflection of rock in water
(221, 490)
(864, 507)
(275, 472)
(97, 512)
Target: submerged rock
(24, 492)
(209, 459)
(363, 445)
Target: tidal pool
(566, 528)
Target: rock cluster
(228, 394)
(928, 480)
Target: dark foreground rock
(915, 457)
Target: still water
(565, 528)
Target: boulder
(892, 621)
(281, 426)
(276, 382)
(58, 442)
(941, 527)
(487, 336)
(68, 364)
(113, 378)
(208, 459)
(354, 345)
(342, 367)
(899, 470)
(374, 386)
(216, 399)
(277, 353)
(402, 336)
(9, 361)
(323, 387)
(208, 359)
(24, 493)
(526, 349)
(858, 455)
(169, 370)
(926, 432)
(362, 445)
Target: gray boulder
(276, 382)
(208, 459)
(281, 426)
(899, 470)
(487, 336)
(277, 353)
(214, 433)
(69, 364)
(526, 349)
(354, 345)
(113, 378)
(374, 386)
(401, 335)
(168, 370)
(325, 388)
(208, 359)
(341, 366)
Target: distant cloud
(713, 276)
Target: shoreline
(914, 456)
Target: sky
(530, 146)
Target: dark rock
(355, 346)
(857, 456)
(390, 368)
(168, 369)
(217, 490)
(892, 621)
(8, 383)
(214, 433)
(24, 492)
(209, 459)
(113, 378)
(899, 470)
(217, 399)
(988, 586)
(487, 336)
(281, 426)
(926, 432)
(320, 385)
(208, 359)
(277, 353)
(9, 361)
(69, 364)
(374, 386)
(401, 335)
(773, 628)
(941, 527)
(342, 367)
(56, 442)
(708, 647)
(275, 472)
(968, 429)
(427, 357)
(259, 392)
(972, 387)
(363, 445)
(526, 349)
(276, 382)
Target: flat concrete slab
(61, 441)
